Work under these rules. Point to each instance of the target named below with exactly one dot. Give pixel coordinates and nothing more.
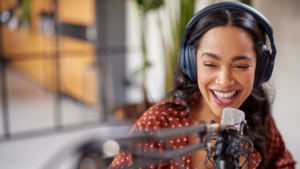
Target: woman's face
(226, 65)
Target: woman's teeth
(229, 94)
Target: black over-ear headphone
(264, 65)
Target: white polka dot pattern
(165, 117)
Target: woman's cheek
(246, 80)
(205, 78)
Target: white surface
(155, 73)
(284, 18)
(50, 151)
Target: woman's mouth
(224, 98)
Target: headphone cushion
(192, 62)
(263, 68)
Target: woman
(228, 46)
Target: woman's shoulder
(168, 108)
(163, 115)
(277, 154)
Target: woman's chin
(218, 114)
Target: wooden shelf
(77, 12)
(33, 54)
(24, 43)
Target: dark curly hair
(257, 105)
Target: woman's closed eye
(242, 66)
(209, 65)
(212, 65)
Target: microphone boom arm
(201, 131)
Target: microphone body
(228, 146)
(227, 150)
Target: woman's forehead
(227, 40)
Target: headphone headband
(235, 6)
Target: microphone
(225, 153)
(229, 143)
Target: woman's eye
(209, 65)
(242, 67)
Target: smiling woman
(226, 65)
(223, 62)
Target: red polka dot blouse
(159, 117)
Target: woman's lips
(225, 101)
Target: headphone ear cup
(192, 62)
(264, 67)
(189, 62)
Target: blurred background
(71, 69)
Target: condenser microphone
(228, 146)
(233, 117)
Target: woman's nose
(225, 79)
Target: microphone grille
(231, 116)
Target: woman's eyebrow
(236, 58)
(241, 58)
(211, 55)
